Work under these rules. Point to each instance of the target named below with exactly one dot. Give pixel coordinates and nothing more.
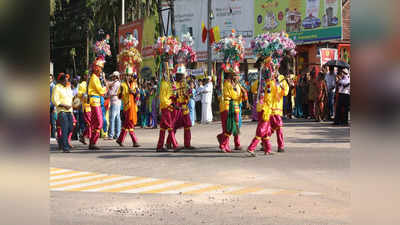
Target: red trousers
(262, 132)
(166, 123)
(87, 117)
(127, 127)
(181, 120)
(276, 125)
(223, 138)
(96, 124)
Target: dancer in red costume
(279, 89)
(167, 108)
(231, 97)
(95, 90)
(264, 108)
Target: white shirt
(207, 93)
(330, 79)
(344, 85)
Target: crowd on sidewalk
(322, 96)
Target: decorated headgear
(129, 56)
(186, 53)
(273, 47)
(181, 69)
(130, 70)
(228, 68)
(115, 74)
(231, 48)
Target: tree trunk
(87, 49)
(73, 60)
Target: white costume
(206, 99)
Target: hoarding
(304, 20)
(228, 15)
(327, 54)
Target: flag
(204, 32)
(211, 37)
(217, 34)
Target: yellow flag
(217, 34)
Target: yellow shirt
(278, 93)
(230, 94)
(95, 89)
(254, 87)
(124, 92)
(62, 95)
(81, 94)
(165, 94)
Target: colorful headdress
(273, 47)
(181, 69)
(231, 48)
(102, 48)
(129, 56)
(167, 46)
(186, 52)
(228, 68)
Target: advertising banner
(328, 54)
(135, 28)
(304, 20)
(228, 15)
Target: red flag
(204, 33)
(212, 37)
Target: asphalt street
(316, 161)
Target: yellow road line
(83, 181)
(130, 187)
(245, 190)
(104, 184)
(55, 169)
(73, 177)
(202, 190)
(64, 173)
(174, 187)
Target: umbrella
(337, 63)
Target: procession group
(174, 91)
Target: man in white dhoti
(206, 99)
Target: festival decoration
(129, 56)
(167, 46)
(231, 48)
(273, 46)
(189, 55)
(102, 48)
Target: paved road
(309, 184)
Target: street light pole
(209, 67)
(123, 12)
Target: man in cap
(62, 100)
(129, 93)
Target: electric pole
(172, 5)
(123, 12)
(209, 62)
